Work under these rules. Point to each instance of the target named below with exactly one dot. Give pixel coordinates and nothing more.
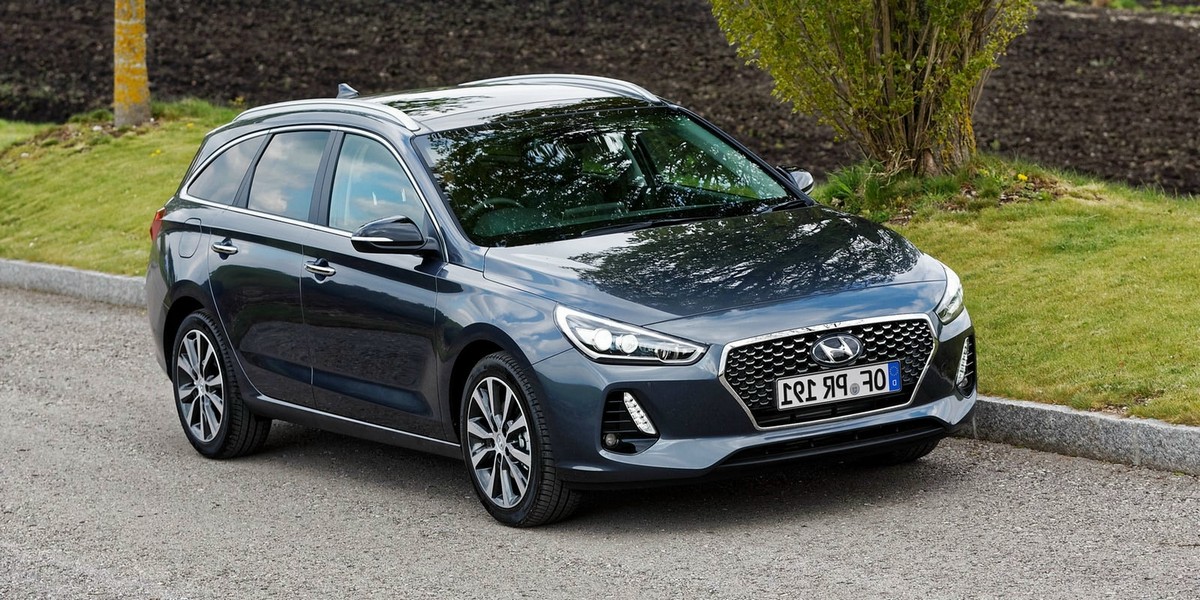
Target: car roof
(476, 102)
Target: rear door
(371, 316)
(256, 258)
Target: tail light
(156, 224)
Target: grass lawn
(1089, 300)
(1083, 293)
(12, 132)
(83, 195)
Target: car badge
(836, 349)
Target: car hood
(659, 274)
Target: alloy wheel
(200, 385)
(498, 442)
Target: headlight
(951, 304)
(604, 340)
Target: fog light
(611, 440)
(640, 419)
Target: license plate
(834, 386)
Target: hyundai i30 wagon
(565, 281)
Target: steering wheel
(494, 202)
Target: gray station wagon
(565, 281)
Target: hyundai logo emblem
(836, 349)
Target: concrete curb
(86, 285)
(1132, 441)
(1140, 442)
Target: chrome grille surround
(749, 376)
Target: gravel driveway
(100, 496)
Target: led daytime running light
(640, 418)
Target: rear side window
(220, 180)
(283, 180)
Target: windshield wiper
(623, 227)
(786, 205)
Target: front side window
(562, 177)
(369, 184)
(284, 178)
(220, 180)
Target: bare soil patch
(1091, 90)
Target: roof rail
(605, 84)
(394, 114)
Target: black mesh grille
(864, 437)
(751, 370)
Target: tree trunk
(950, 153)
(131, 84)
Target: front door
(370, 317)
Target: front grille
(750, 370)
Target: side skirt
(277, 409)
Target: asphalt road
(101, 496)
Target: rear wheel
(506, 446)
(215, 419)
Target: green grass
(83, 194)
(1088, 301)
(1083, 293)
(12, 132)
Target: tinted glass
(220, 180)
(561, 177)
(369, 184)
(283, 180)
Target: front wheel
(506, 446)
(215, 419)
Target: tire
(214, 417)
(902, 454)
(506, 446)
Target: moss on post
(131, 83)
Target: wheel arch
(475, 343)
(186, 300)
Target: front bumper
(706, 431)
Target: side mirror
(393, 234)
(801, 178)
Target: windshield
(563, 177)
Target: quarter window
(369, 184)
(220, 180)
(283, 180)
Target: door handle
(320, 270)
(225, 247)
